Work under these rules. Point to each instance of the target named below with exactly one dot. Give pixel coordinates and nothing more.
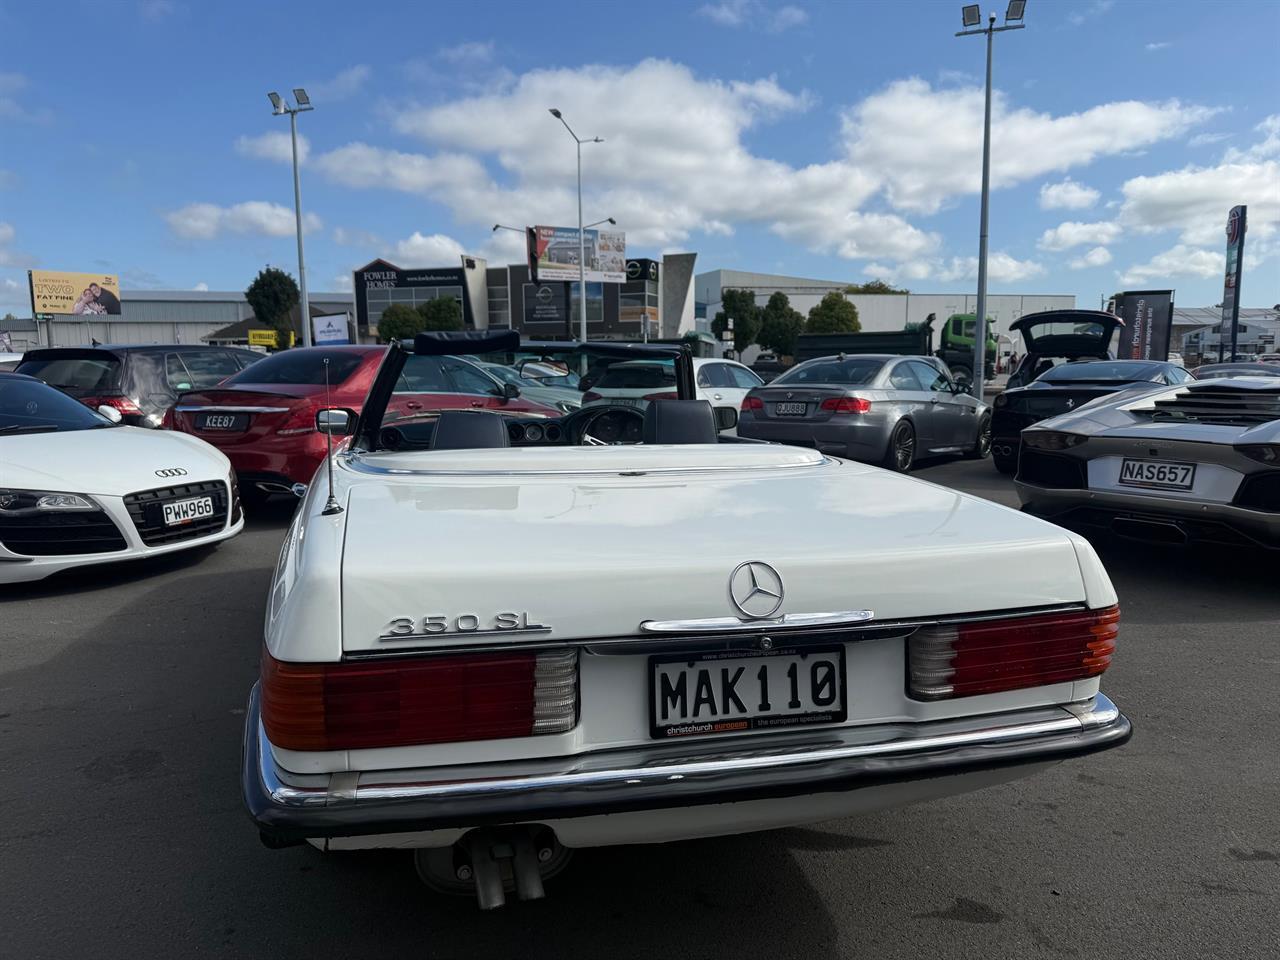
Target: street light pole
(302, 106)
(972, 17)
(582, 239)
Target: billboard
(1148, 321)
(331, 328)
(54, 293)
(1236, 223)
(379, 284)
(556, 251)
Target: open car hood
(1067, 333)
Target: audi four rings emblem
(171, 472)
(755, 589)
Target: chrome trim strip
(223, 408)
(710, 772)
(735, 624)
(355, 463)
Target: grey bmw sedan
(875, 408)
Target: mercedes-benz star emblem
(755, 589)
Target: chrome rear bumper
(290, 807)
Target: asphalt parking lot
(122, 834)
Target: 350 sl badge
(462, 625)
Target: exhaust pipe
(1153, 531)
(492, 862)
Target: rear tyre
(982, 445)
(902, 448)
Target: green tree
(399, 322)
(272, 295)
(780, 324)
(833, 314)
(443, 313)
(741, 306)
(873, 286)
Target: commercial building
(876, 312)
(656, 300)
(1201, 329)
(167, 316)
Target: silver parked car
(874, 408)
(1198, 461)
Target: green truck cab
(956, 346)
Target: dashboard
(597, 425)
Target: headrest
(679, 421)
(469, 430)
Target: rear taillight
(590, 396)
(661, 396)
(400, 702)
(988, 656)
(300, 420)
(121, 403)
(752, 403)
(166, 422)
(847, 405)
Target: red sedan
(264, 418)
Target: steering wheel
(609, 426)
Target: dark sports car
(1054, 336)
(1064, 388)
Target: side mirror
(335, 422)
(111, 413)
(510, 391)
(726, 418)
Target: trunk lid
(589, 542)
(230, 416)
(811, 397)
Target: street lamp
(582, 239)
(971, 17)
(279, 107)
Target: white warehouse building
(875, 311)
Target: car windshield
(851, 370)
(1115, 371)
(28, 406)
(638, 375)
(300, 367)
(77, 374)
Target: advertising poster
(1148, 321)
(55, 293)
(331, 328)
(556, 251)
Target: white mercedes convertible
(494, 639)
(78, 488)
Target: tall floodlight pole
(582, 238)
(972, 19)
(279, 108)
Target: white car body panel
(106, 465)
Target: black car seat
(679, 421)
(469, 430)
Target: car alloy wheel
(982, 445)
(902, 448)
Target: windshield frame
(469, 343)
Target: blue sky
(835, 140)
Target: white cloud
(927, 144)
(12, 86)
(754, 14)
(1204, 139)
(345, 85)
(155, 9)
(1180, 261)
(1001, 268)
(355, 238)
(1097, 257)
(201, 286)
(470, 52)
(8, 256)
(435, 250)
(1091, 11)
(1194, 200)
(7, 233)
(204, 221)
(1158, 45)
(273, 145)
(1072, 234)
(344, 282)
(1067, 195)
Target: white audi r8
(460, 658)
(78, 488)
